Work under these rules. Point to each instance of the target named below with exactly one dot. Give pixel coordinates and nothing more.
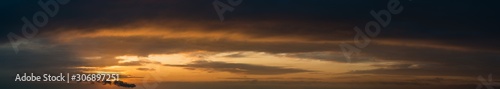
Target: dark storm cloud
(239, 68)
(39, 60)
(468, 24)
(432, 61)
(147, 45)
(314, 19)
(44, 55)
(422, 60)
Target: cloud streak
(239, 68)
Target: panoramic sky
(254, 44)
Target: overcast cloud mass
(265, 44)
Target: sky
(260, 44)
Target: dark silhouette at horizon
(117, 83)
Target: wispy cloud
(239, 68)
